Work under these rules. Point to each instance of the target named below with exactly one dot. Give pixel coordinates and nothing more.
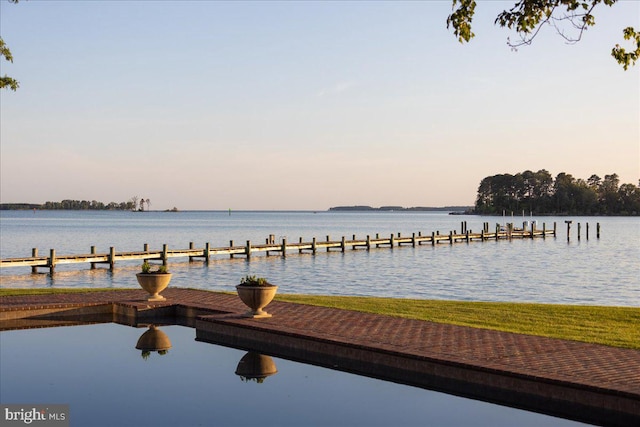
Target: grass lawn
(613, 326)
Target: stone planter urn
(256, 367)
(256, 293)
(154, 283)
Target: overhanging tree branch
(528, 17)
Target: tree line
(93, 205)
(539, 193)
(133, 204)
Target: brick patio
(586, 382)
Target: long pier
(270, 247)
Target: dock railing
(271, 247)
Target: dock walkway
(591, 383)
(270, 247)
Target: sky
(302, 105)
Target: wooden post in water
(313, 245)
(568, 229)
(555, 229)
(587, 231)
(597, 230)
(191, 247)
(284, 247)
(52, 261)
(343, 243)
(328, 240)
(451, 237)
(433, 238)
(544, 230)
(112, 258)
(247, 250)
(579, 227)
(413, 240)
(165, 254)
(391, 241)
(230, 246)
(93, 251)
(146, 247)
(34, 253)
(207, 252)
(368, 242)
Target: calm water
(98, 372)
(603, 271)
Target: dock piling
(93, 251)
(52, 261)
(34, 254)
(112, 258)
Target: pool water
(106, 381)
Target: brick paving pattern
(537, 358)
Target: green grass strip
(612, 326)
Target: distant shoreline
(358, 208)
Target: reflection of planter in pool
(153, 340)
(255, 367)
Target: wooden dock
(270, 247)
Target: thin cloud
(336, 89)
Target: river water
(593, 271)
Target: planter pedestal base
(261, 314)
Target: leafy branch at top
(7, 81)
(570, 19)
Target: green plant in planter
(254, 281)
(146, 269)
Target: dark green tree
(609, 197)
(538, 193)
(629, 197)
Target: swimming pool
(107, 381)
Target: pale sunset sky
(302, 105)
